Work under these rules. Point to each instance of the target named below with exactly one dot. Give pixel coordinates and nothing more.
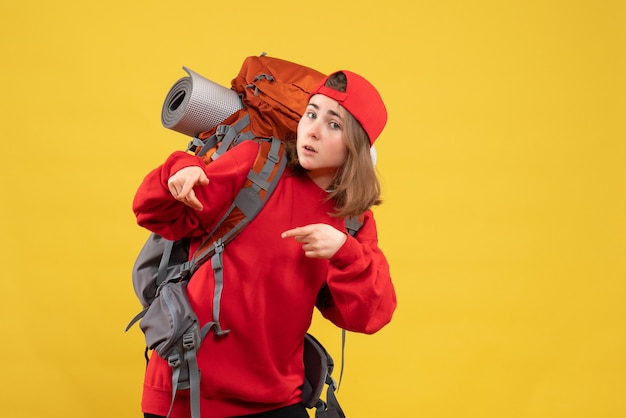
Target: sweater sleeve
(360, 295)
(158, 211)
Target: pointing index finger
(293, 232)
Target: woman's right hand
(181, 185)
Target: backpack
(272, 96)
(267, 99)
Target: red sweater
(270, 287)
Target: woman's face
(321, 139)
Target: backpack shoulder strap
(353, 225)
(262, 179)
(260, 183)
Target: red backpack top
(273, 94)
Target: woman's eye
(334, 125)
(310, 115)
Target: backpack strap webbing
(343, 356)
(191, 380)
(184, 365)
(225, 135)
(331, 409)
(165, 259)
(230, 135)
(353, 224)
(260, 183)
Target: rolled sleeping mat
(195, 104)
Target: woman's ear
(373, 155)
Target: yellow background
(503, 174)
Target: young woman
(296, 249)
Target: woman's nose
(314, 130)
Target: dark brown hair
(356, 187)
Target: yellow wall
(503, 173)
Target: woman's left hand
(318, 240)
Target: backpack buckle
(222, 130)
(185, 268)
(174, 360)
(194, 144)
(188, 341)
